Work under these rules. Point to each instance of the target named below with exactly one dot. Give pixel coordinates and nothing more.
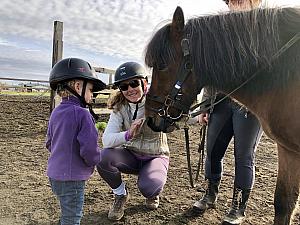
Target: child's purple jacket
(72, 142)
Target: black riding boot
(236, 213)
(209, 199)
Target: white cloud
(106, 32)
(113, 27)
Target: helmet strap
(95, 116)
(135, 111)
(81, 98)
(143, 86)
(83, 92)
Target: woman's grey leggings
(151, 170)
(229, 120)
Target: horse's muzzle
(165, 125)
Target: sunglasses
(132, 83)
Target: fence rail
(102, 70)
(21, 79)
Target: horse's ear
(177, 25)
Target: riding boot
(236, 213)
(209, 199)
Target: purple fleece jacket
(72, 142)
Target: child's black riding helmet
(74, 68)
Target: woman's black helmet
(129, 70)
(74, 68)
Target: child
(72, 136)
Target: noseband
(173, 99)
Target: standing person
(228, 119)
(72, 137)
(130, 146)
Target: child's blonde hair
(63, 92)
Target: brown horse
(255, 57)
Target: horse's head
(174, 85)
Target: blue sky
(103, 32)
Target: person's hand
(135, 127)
(203, 118)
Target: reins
(200, 151)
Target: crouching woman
(130, 146)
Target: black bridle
(173, 99)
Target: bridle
(173, 99)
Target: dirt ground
(26, 198)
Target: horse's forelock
(160, 49)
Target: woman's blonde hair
(116, 100)
(254, 3)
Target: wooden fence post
(57, 53)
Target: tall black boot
(236, 213)
(209, 199)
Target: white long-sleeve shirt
(147, 142)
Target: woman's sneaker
(152, 203)
(116, 211)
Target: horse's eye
(161, 66)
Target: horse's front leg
(287, 187)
